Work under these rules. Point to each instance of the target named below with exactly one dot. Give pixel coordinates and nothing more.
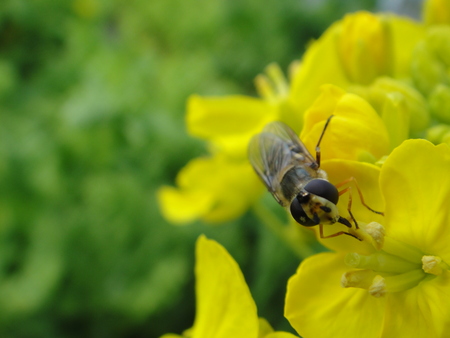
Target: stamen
(432, 265)
(357, 279)
(402, 250)
(378, 287)
(376, 231)
(293, 68)
(380, 261)
(404, 281)
(264, 87)
(275, 73)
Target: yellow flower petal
(264, 328)
(415, 183)
(317, 305)
(366, 176)
(171, 335)
(232, 119)
(177, 205)
(320, 65)
(214, 189)
(208, 117)
(423, 311)
(225, 307)
(235, 146)
(356, 132)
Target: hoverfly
(295, 179)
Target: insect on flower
(295, 179)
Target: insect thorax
(294, 180)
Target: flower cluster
(386, 81)
(391, 72)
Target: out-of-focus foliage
(92, 96)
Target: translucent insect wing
(273, 153)
(290, 137)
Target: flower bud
(364, 47)
(438, 133)
(426, 70)
(415, 102)
(395, 115)
(439, 102)
(431, 59)
(356, 131)
(438, 40)
(436, 12)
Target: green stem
(285, 233)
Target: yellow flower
(225, 307)
(399, 288)
(436, 12)
(355, 51)
(356, 131)
(228, 123)
(214, 189)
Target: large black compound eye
(323, 188)
(299, 214)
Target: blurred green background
(92, 122)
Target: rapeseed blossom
(385, 80)
(341, 57)
(356, 131)
(225, 307)
(355, 54)
(396, 283)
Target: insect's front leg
(320, 140)
(336, 234)
(349, 180)
(349, 206)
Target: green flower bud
(395, 116)
(438, 40)
(439, 102)
(431, 60)
(436, 12)
(437, 133)
(415, 103)
(426, 70)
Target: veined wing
(282, 161)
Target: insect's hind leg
(352, 179)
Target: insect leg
(349, 206)
(336, 234)
(352, 179)
(320, 140)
